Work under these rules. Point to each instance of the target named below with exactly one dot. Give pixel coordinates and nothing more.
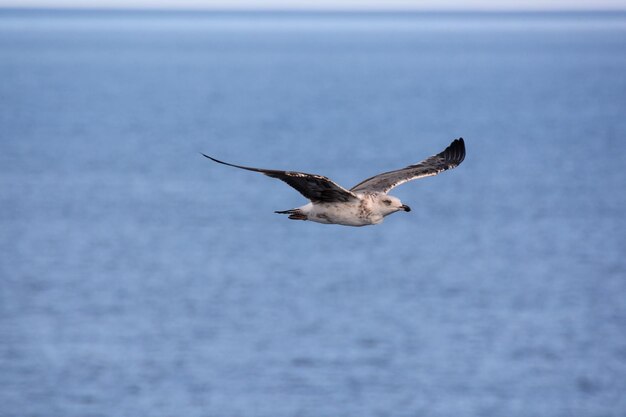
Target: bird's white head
(388, 204)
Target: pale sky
(330, 4)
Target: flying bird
(367, 202)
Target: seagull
(366, 203)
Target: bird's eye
(387, 202)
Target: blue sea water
(138, 278)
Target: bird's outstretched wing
(451, 157)
(316, 188)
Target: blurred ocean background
(138, 278)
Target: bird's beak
(405, 208)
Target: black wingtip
(455, 152)
(213, 159)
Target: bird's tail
(294, 214)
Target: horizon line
(321, 10)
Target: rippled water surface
(140, 279)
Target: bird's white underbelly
(348, 214)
